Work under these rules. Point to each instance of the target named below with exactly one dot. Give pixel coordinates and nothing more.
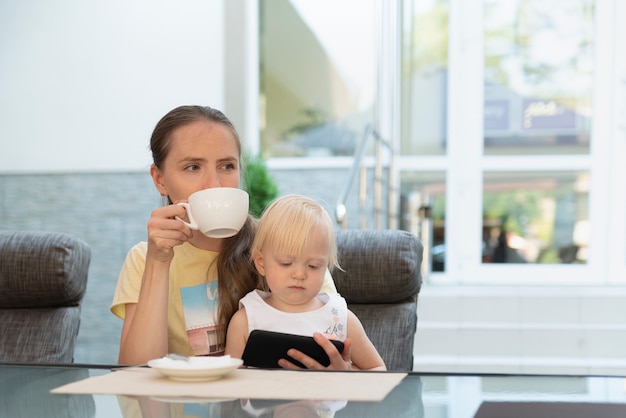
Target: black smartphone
(265, 348)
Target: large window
(507, 132)
(512, 109)
(538, 72)
(317, 76)
(424, 77)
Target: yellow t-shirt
(192, 308)
(193, 302)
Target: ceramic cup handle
(192, 222)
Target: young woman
(177, 292)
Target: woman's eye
(229, 166)
(192, 167)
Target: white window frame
(465, 163)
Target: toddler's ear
(257, 257)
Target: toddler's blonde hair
(287, 222)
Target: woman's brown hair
(236, 273)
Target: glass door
(510, 133)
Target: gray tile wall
(110, 212)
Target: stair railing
(380, 188)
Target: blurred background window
(493, 123)
(539, 62)
(317, 83)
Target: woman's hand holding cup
(165, 232)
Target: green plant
(257, 181)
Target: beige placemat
(244, 384)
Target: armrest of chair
(42, 269)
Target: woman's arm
(145, 333)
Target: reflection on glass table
(26, 393)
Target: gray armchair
(43, 278)
(380, 281)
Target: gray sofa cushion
(42, 269)
(46, 335)
(43, 278)
(391, 328)
(381, 280)
(379, 266)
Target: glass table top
(25, 392)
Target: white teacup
(219, 212)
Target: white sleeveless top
(330, 320)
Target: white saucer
(197, 369)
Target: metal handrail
(340, 209)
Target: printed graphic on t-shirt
(336, 331)
(200, 308)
